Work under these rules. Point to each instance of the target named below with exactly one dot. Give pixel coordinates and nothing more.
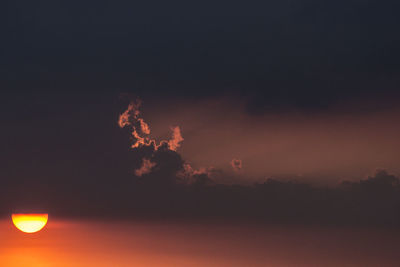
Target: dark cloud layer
(69, 157)
(374, 201)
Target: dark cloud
(373, 201)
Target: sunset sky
(262, 111)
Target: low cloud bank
(373, 201)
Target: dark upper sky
(307, 55)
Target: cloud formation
(190, 175)
(146, 167)
(155, 155)
(236, 164)
(140, 130)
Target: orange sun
(30, 223)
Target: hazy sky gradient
(91, 243)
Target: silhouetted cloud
(152, 150)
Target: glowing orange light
(30, 223)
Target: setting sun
(30, 223)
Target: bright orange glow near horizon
(30, 223)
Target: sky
(88, 243)
(303, 91)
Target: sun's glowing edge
(30, 223)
